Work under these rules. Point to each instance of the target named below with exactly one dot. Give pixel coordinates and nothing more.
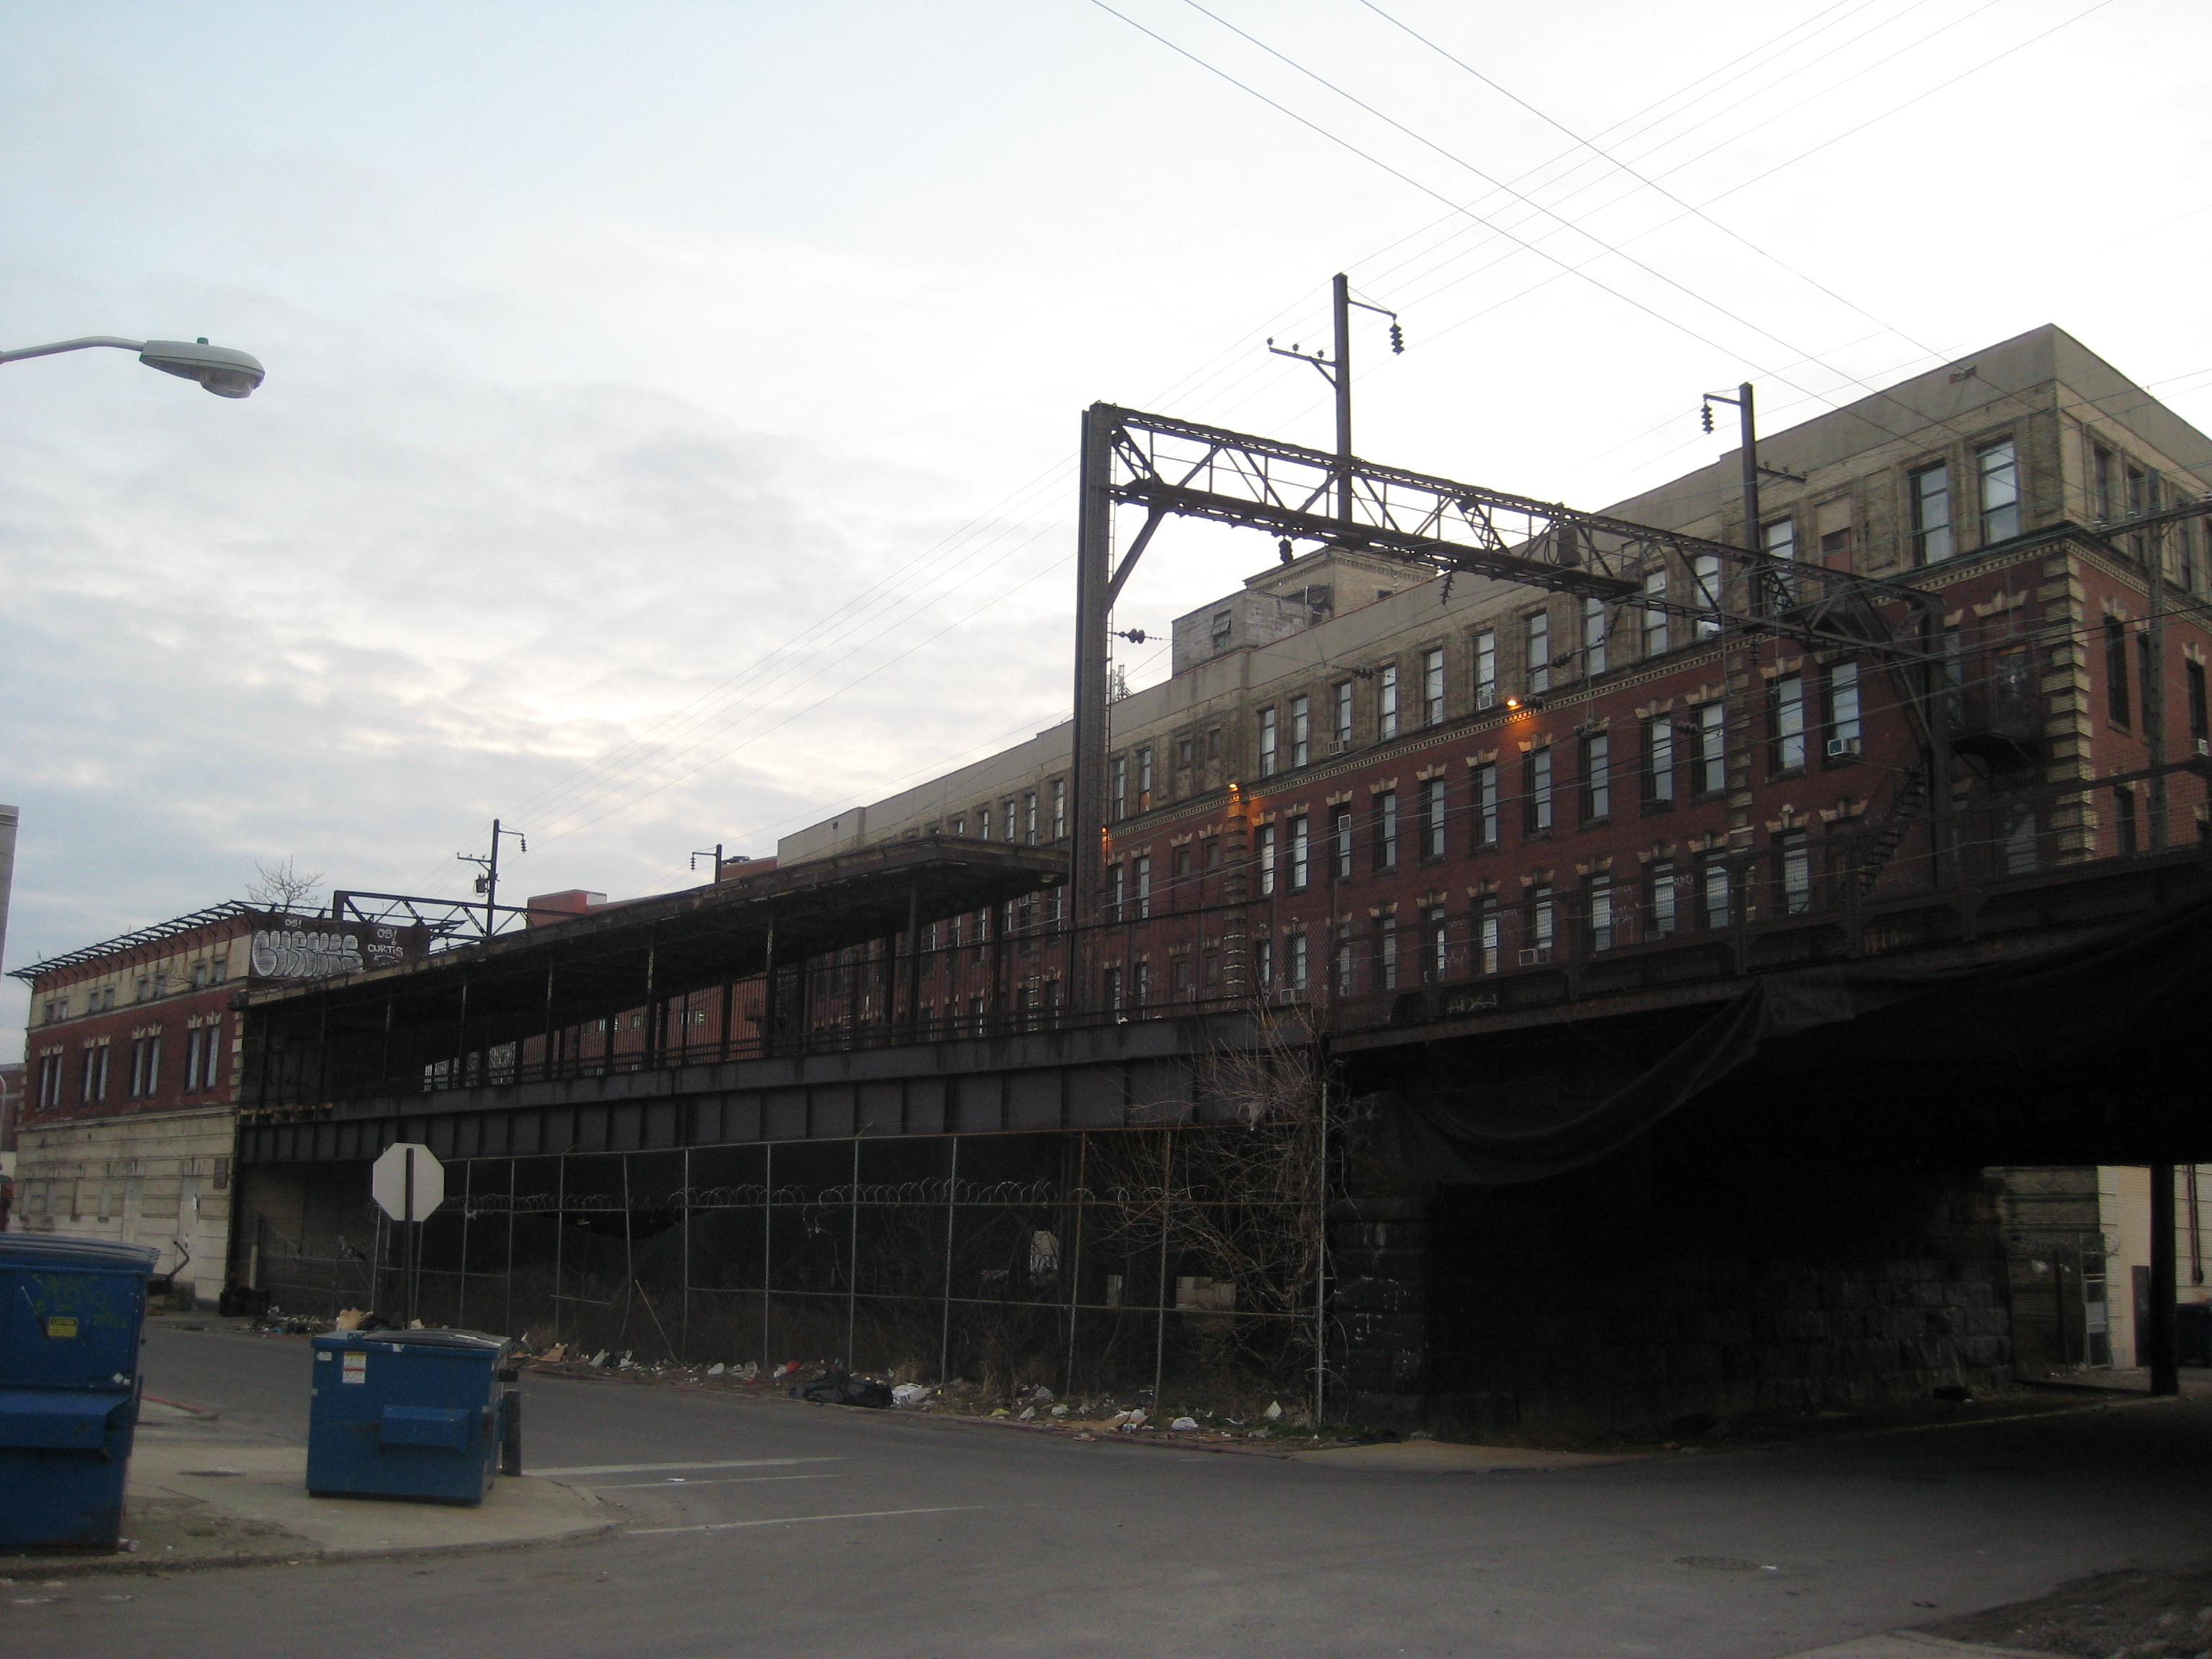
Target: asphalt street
(768, 1525)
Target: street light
(226, 373)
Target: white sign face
(389, 1179)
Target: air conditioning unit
(1535, 953)
(1338, 745)
(1843, 748)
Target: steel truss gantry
(1176, 468)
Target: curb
(21, 1570)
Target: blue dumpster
(405, 1414)
(69, 1387)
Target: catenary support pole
(2164, 1333)
(1340, 314)
(1086, 823)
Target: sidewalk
(201, 1495)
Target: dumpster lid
(465, 1342)
(84, 1255)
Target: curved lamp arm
(219, 370)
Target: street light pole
(219, 370)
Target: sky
(669, 437)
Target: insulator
(1397, 338)
(1706, 413)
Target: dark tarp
(2042, 1015)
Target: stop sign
(407, 1181)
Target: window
(1593, 636)
(1301, 851)
(1485, 669)
(1597, 895)
(1060, 809)
(1186, 752)
(1119, 786)
(1263, 962)
(1144, 784)
(2125, 827)
(1224, 626)
(1029, 817)
(1597, 776)
(2199, 730)
(1386, 953)
(1659, 760)
(1386, 703)
(1386, 829)
(50, 1080)
(1488, 928)
(1140, 988)
(1998, 468)
(1660, 882)
(983, 823)
(1483, 781)
(1543, 918)
(1713, 893)
(1843, 728)
(2016, 832)
(1266, 860)
(1539, 636)
(2116, 708)
(1709, 765)
(1344, 979)
(95, 1075)
(1141, 871)
(2100, 482)
(1117, 884)
(1786, 704)
(1340, 842)
(2147, 667)
(1294, 962)
(1213, 743)
(1931, 513)
(1793, 858)
(1432, 686)
(1432, 818)
(145, 1066)
(1301, 730)
(1705, 593)
(1113, 990)
(1654, 615)
(1536, 791)
(1340, 698)
(1780, 541)
(1268, 743)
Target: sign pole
(413, 1243)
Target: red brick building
(130, 1114)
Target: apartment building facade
(129, 1121)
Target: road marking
(738, 1480)
(647, 1468)
(794, 1520)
